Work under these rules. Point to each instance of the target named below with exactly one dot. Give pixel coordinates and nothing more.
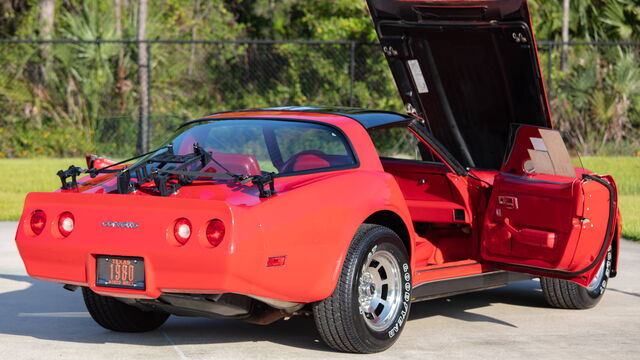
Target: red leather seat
(235, 163)
(310, 162)
(306, 160)
(314, 159)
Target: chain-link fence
(118, 135)
(66, 97)
(93, 87)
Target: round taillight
(182, 230)
(215, 232)
(38, 221)
(66, 223)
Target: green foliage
(597, 101)
(338, 19)
(21, 141)
(60, 86)
(295, 19)
(85, 68)
(590, 20)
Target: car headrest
(235, 163)
(309, 162)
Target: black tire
(117, 316)
(565, 294)
(386, 279)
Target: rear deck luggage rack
(165, 186)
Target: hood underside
(469, 68)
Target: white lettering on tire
(405, 304)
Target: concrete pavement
(40, 320)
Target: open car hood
(469, 68)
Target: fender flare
(387, 210)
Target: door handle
(509, 202)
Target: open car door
(543, 217)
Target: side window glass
(400, 143)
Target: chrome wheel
(380, 289)
(370, 304)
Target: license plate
(120, 272)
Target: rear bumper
(159, 277)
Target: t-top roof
(368, 118)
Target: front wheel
(569, 295)
(117, 316)
(370, 304)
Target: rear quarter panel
(313, 227)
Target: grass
(27, 175)
(23, 176)
(626, 172)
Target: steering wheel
(316, 156)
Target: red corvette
(349, 215)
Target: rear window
(254, 147)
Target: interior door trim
(603, 248)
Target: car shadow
(624, 292)
(44, 310)
(522, 293)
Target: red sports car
(346, 214)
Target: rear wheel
(370, 304)
(569, 295)
(117, 316)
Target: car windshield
(255, 147)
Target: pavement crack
(174, 346)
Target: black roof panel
(368, 118)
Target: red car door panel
(558, 229)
